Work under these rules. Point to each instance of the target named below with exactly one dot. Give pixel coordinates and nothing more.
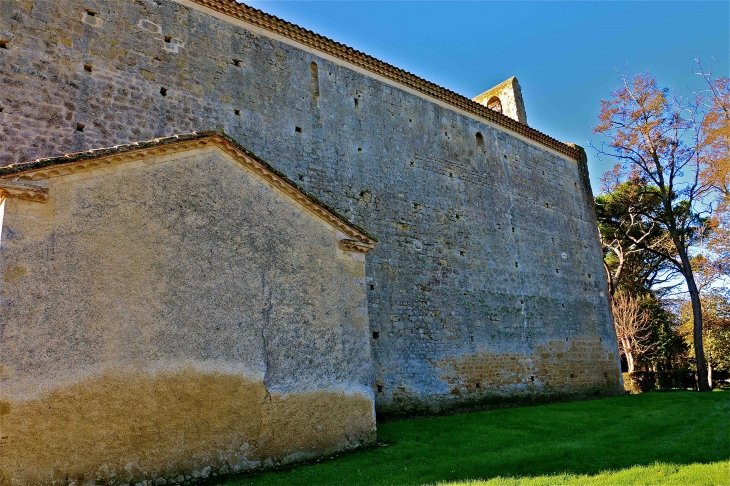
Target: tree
(628, 264)
(633, 331)
(716, 173)
(669, 348)
(716, 319)
(716, 128)
(658, 143)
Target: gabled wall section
(175, 309)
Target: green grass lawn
(680, 438)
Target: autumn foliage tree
(716, 172)
(633, 331)
(659, 142)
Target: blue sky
(566, 55)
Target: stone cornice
(335, 49)
(20, 180)
(22, 189)
(357, 246)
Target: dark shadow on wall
(610, 434)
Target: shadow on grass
(579, 438)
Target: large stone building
(331, 239)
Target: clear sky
(566, 55)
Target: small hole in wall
(522, 302)
(359, 149)
(2, 108)
(372, 286)
(357, 102)
(3, 44)
(575, 184)
(237, 112)
(88, 68)
(91, 13)
(79, 127)
(412, 163)
(517, 264)
(605, 375)
(471, 338)
(168, 39)
(451, 174)
(532, 378)
(462, 253)
(547, 205)
(163, 91)
(480, 140)
(557, 270)
(380, 388)
(237, 62)
(562, 305)
(458, 217)
(446, 134)
(589, 275)
(410, 120)
(513, 229)
(572, 375)
(478, 386)
(376, 335)
(298, 129)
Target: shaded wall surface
(174, 316)
(489, 251)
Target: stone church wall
(487, 285)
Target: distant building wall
(488, 283)
(173, 316)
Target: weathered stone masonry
(487, 283)
(474, 241)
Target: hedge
(644, 381)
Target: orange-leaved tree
(716, 171)
(658, 139)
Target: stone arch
(495, 104)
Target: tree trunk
(694, 295)
(629, 356)
(709, 373)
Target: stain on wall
(120, 427)
(566, 365)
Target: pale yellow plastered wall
(174, 315)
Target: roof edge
(315, 41)
(16, 173)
